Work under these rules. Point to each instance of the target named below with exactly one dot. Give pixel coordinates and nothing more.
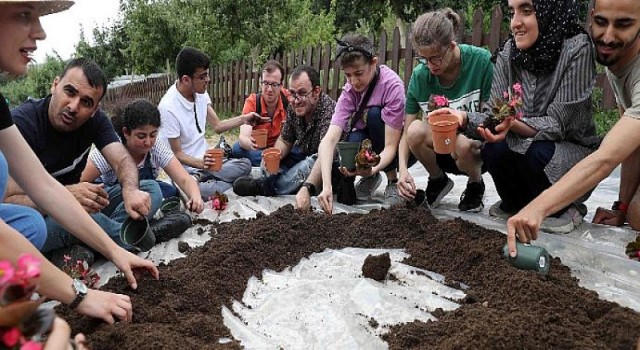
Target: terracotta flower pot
(218, 155)
(444, 128)
(347, 152)
(271, 158)
(260, 135)
(138, 234)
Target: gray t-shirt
(626, 87)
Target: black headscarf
(557, 21)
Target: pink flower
(11, 337)
(505, 95)
(28, 268)
(517, 88)
(216, 204)
(6, 272)
(67, 258)
(440, 101)
(31, 345)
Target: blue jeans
(294, 170)
(221, 181)
(168, 190)
(23, 219)
(374, 131)
(110, 218)
(519, 178)
(255, 156)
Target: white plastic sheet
(325, 303)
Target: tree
(37, 82)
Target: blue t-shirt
(63, 154)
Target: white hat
(44, 7)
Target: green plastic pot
(347, 152)
(170, 204)
(138, 234)
(529, 257)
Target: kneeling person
(308, 119)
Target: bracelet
(621, 206)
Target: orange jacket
(278, 118)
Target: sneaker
(471, 198)
(170, 226)
(72, 254)
(497, 212)
(437, 189)
(391, 193)
(248, 186)
(367, 185)
(564, 223)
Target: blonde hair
(436, 27)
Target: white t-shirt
(626, 87)
(161, 154)
(179, 121)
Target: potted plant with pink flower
(504, 107)
(444, 126)
(23, 321)
(80, 270)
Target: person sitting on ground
(615, 25)
(137, 125)
(550, 55)
(272, 108)
(380, 121)
(184, 110)
(19, 28)
(60, 129)
(307, 122)
(461, 73)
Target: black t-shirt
(5, 114)
(63, 154)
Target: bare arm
(187, 183)
(283, 146)
(403, 148)
(220, 126)
(137, 203)
(90, 172)
(184, 158)
(391, 140)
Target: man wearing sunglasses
(185, 109)
(271, 104)
(306, 124)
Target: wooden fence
(232, 82)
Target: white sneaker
(391, 194)
(367, 185)
(566, 223)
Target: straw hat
(44, 7)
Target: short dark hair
(135, 114)
(91, 70)
(271, 65)
(353, 47)
(313, 75)
(189, 59)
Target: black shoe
(170, 226)
(70, 255)
(471, 198)
(248, 186)
(437, 189)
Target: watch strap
(79, 296)
(311, 187)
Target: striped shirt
(161, 154)
(558, 104)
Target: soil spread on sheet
(505, 308)
(376, 266)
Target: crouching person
(308, 119)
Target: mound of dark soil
(505, 308)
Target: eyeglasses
(274, 86)
(434, 60)
(299, 96)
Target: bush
(604, 118)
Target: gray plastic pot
(138, 234)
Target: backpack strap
(259, 104)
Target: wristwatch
(81, 291)
(311, 187)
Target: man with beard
(308, 119)
(615, 31)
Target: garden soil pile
(505, 308)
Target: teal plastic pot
(529, 257)
(170, 204)
(347, 152)
(138, 234)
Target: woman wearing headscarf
(551, 57)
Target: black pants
(518, 178)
